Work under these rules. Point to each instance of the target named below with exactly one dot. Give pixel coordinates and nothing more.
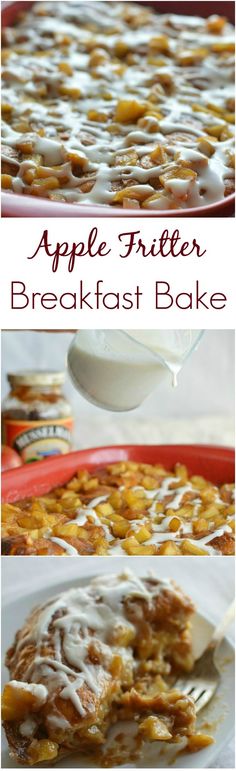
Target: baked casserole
(111, 103)
(98, 654)
(125, 508)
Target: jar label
(34, 440)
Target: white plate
(219, 715)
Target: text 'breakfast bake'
(112, 103)
(125, 508)
(96, 655)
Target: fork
(204, 679)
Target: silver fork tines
(202, 683)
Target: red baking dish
(14, 205)
(214, 463)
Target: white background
(201, 409)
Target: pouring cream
(118, 369)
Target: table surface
(217, 573)
(110, 428)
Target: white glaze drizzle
(210, 81)
(87, 615)
(28, 728)
(159, 532)
(65, 545)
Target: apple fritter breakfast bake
(111, 103)
(124, 508)
(95, 655)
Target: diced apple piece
(42, 750)
(120, 529)
(129, 110)
(198, 742)
(152, 729)
(138, 192)
(169, 548)
(191, 548)
(143, 534)
(19, 699)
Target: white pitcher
(118, 369)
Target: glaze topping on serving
(111, 103)
(94, 655)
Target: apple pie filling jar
(37, 419)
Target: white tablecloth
(210, 583)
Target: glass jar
(36, 416)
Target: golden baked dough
(126, 508)
(92, 656)
(110, 103)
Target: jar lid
(36, 377)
